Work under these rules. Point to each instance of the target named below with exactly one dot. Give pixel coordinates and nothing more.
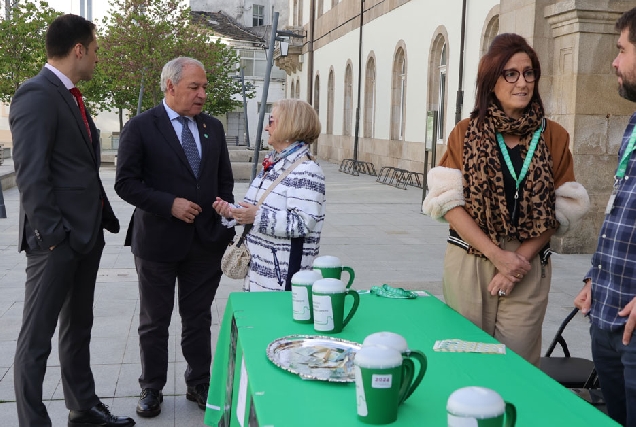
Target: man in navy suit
(172, 163)
(63, 211)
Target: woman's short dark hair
(65, 32)
(491, 65)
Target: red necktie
(80, 102)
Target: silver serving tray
(315, 357)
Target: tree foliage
(22, 44)
(137, 38)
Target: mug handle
(352, 275)
(408, 371)
(511, 415)
(423, 362)
(356, 303)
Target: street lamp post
(247, 129)
(268, 71)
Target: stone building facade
(413, 69)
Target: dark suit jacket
(57, 168)
(152, 170)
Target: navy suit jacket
(57, 168)
(152, 170)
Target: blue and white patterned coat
(294, 208)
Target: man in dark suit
(63, 211)
(172, 163)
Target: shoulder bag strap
(282, 176)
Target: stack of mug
(318, 295)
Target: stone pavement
(376, 229)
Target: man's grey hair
(173, 69)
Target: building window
(398, 95)
(490, 32)
(441, 111)
(348, 100)
(297, 96)
(317, 95)
(253, 62)
(295, 13)
(330, 100)
(258, 15)
(292, 90)
(319, 8)
(268, 107)
(369, 98)
(86, 9)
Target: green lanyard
(524, 168)
(526, 163)
(622, 165)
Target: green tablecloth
(281, 399)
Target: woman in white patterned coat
(285, 230)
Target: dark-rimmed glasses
(511, 76)
(271, 120)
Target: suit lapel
(72, 105)
(165, 128)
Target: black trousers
(60, 285)
(197, 277)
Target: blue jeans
(616, 367)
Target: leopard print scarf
(484, 183)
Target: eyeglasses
(271, 120)
(511, 76)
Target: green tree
(137, 38)
(22, 44)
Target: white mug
(479, 407)
(302, 305)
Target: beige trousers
(514, 320)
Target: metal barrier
(400, 178)
(356, 167)
(234, 140)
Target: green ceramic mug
(383, 378)
(331, 267)
(301, 283)
(398, 342)
(480, 407)
(328, 296)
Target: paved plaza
(376, 229)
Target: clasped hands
(511, 268)
(245, 214)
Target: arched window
(369, 98)
(297, 95)
(295, 13)
(348, 100)
(398, 95)
(437, 82)
(330, 100)
(441, 111)
(292, 91)
(491, 29)
(317, 95)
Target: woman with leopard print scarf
(506, 186)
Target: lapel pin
(205, 134)
(204, 125)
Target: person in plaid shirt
(609, 294)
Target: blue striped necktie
(189, 146)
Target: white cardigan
(294, 208)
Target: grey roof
(226, 26)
